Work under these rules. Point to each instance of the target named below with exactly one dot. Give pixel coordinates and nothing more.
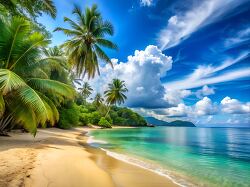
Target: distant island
(177, 123)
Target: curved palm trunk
(109, 107)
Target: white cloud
(238, 38)
(234, 106)
(141, 73)
(206, 75)
(204, 107)
(205, 91)
(182, 25)
(175, 97)
(180, 111)
(233, 121)
(146, 2)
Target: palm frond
(106, 43)
(52, 86)
(2, 106)
(10, 81)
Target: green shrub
(104, 123)
(84, 118)
(69, 116)
(94, 118)
(83, 109)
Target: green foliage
(115, 93)
(69, 116)
(87, 37)
(125, 116)
(85, 118)
(95, 117)
(27, 95)
(86, 91)
(104, 123)
(34, 8)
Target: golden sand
(61, 158)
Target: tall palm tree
(27, 95)
(57, 68)
(115, 93)
(32, 7)
(98, 100)
(86, 90)
(87, 37)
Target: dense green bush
(72, 114)
(95, 118)
(84, 118)
(104, 123)
(127, 117)
(69, 116)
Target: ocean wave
(91, 140)
(149, 166)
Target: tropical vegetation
(38, 83)
(87, 37)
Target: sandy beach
(62, 158)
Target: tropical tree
(58, 67)
(33, 8)
(98, 100)
(87, 37)
(27, 95)
(115, 93)
(86, 91)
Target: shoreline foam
(139, 162)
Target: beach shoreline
(64, 158)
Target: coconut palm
(87, 37)
(25, 89)
(86, 90)
(32, 7)
(57, 68)
(115, 93)
(98, 100)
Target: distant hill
(177, 123)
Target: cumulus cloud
(234, 106)
(146, 2)
(180, 111)
(182, 25)
(141, 73)
(175, 97)
(204, 91)
(207, 74)
(204, 107)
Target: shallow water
(190, 156)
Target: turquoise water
(198, 156)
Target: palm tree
(86, 90)
(98, 100)
(115, 93)
(32, 7)
(57, 68)
(27, 95)
(87, 37)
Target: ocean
(188, 156)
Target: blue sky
(180, 59)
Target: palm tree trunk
(109, 107)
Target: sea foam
(91, 140)
(149, 166)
